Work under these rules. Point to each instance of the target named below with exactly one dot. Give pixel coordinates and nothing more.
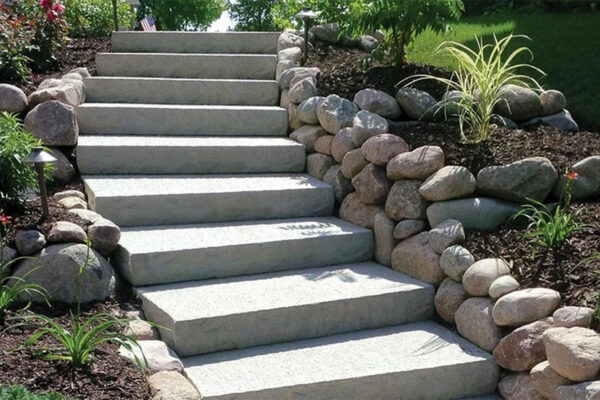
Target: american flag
(148, 24)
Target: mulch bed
(344, 72)
(110, 376)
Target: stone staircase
(232, 248)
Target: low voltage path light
(306, 15)
(39, 158)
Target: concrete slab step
(420, 361)
(172, 65)
(188, 155)
(196, 42)
(214, 315)
(181, 91)
(130, 200)
(183, 120)
(163, 254)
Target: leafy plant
(253, 15)
(16, 178)
(15, 40)
(94, 18)
(284, 12)
(480, 77)
(182, 14)
(402, 20)
(18, 392)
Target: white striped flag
(148, 24)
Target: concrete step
(181, 91)
(171, 65)
(214, 315)
(196, 42)
(163, 254)
(130, 200)
(188, 155)
(420, 361)
(184, 120)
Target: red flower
(46, 4)
(572, 175)
(58, 8)
(52, 15)
(5, 220)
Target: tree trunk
(115, 15)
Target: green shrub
(18, 392)
(177, 15)
(253, 15)
(94, 18)
(15, 177)
(15, 40)
(329, 11)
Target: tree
(253, 15)
(182, 14)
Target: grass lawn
(566, 46)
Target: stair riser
(288, 324)
(182, 121)
(199, 66)
(188, 160)
(181, 91)
(195, 42)
(238, 260)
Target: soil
(110, 376)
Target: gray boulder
(63, 170)
(342, 144)
(340, 184)
(359, 213)
(518, 103)
(446, 234)
(335, 113)
(417, 104)
(328, 33)
(353, 162)
(478, 213)
(581, 391)
(30, 242)
(281, 67)
(380, 149)
(571, 316)
(307, 110)
(449, 182)
(297, 74)
(405, 202)
(518, 387)
(417, 164)
(104, 236)
(553, 102)
(288, 39)
(378, 102)
(480, 276)
(416, 258)
(63, 231)
(56, 269)
(293, 120)
(7, 254)
(12, 99)
(366, 125)
(66, 93)
(81, 71)
(323, 144)
(449, 298)
(523, 306)
(159, 356)
(474, 322)
(303, 90)
(455, 261)
(372, 184)
(308, 135)
(409, 227)
(385, 242)
(293, 54)
(54, 123)
(561, 120)
(317, 165)
(587, 184)
(367, 43)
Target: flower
(46, 4)
(52, 15)
(572, 175)
(58, 8)
(5, 220)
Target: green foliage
(94, 18)
(15, 40)
(253, 15)
(15, 143)
(329, 11)
(18, 392)
(401, 20)
(182, 14)
(480, 76)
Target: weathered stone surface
(450, 103)
(71, 203)
(573, 352)
(336, 113)
(587, 184)
(307, 110)
(581, 391)
(284, 101)
(171, 385)
(478, 213)
(293, 120)
(449, 182)
(499, 120)
(317, 164)
(408, 228)
(448, 299)
(562, 120)
(88, 216)
(474, 322)
(518, 387)
(571, 316)
(328, 33)
(139, 329)
(417, 104)
(66, 94)
(308, 135)
(54, 123)
(545, 380)
(503, 285)
(63, 231)
(342, 144)
(296, 74)
(104, 236)
(50, 82)
(323, 144)
(81, 71)
(29, 242)
(158, 355)
(69, 193)
(7, 254)
(56, 269)
(417, 164)
(455, 260)
(384, 239)
(523, 348)
(12, 99)
(63, 171)
(380, 149)
(353, 163)
(446, 234)
(303, 90)
(415, 257)
(553, 102)
(518, 103)
(359, 213)
(293, 54)
(372, 184)
(405, 202)
(480, 276)
(281, 67)
(526, 305)
(531, 178)
(288, 39)
(378, 102)
(367, 43)
(366, 125)
(340, 184)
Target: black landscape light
(306, 15)
(39, 158)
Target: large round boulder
(12, 99)
(573, 352)
(417, 164)
(359, 213)
(382, 148)
(416, 258)
(405, 202)
(524, 306)
(474, 322)
(54, 123)
(480, 276)
(366, 124)
(478, 213)
(372, 184)
(449, 182)
(378, 102)
(518, 103)
(335, 113)
(417, 104)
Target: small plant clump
(18, 392)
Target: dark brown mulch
(110, 377)
(76, 53)
(563, 269)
